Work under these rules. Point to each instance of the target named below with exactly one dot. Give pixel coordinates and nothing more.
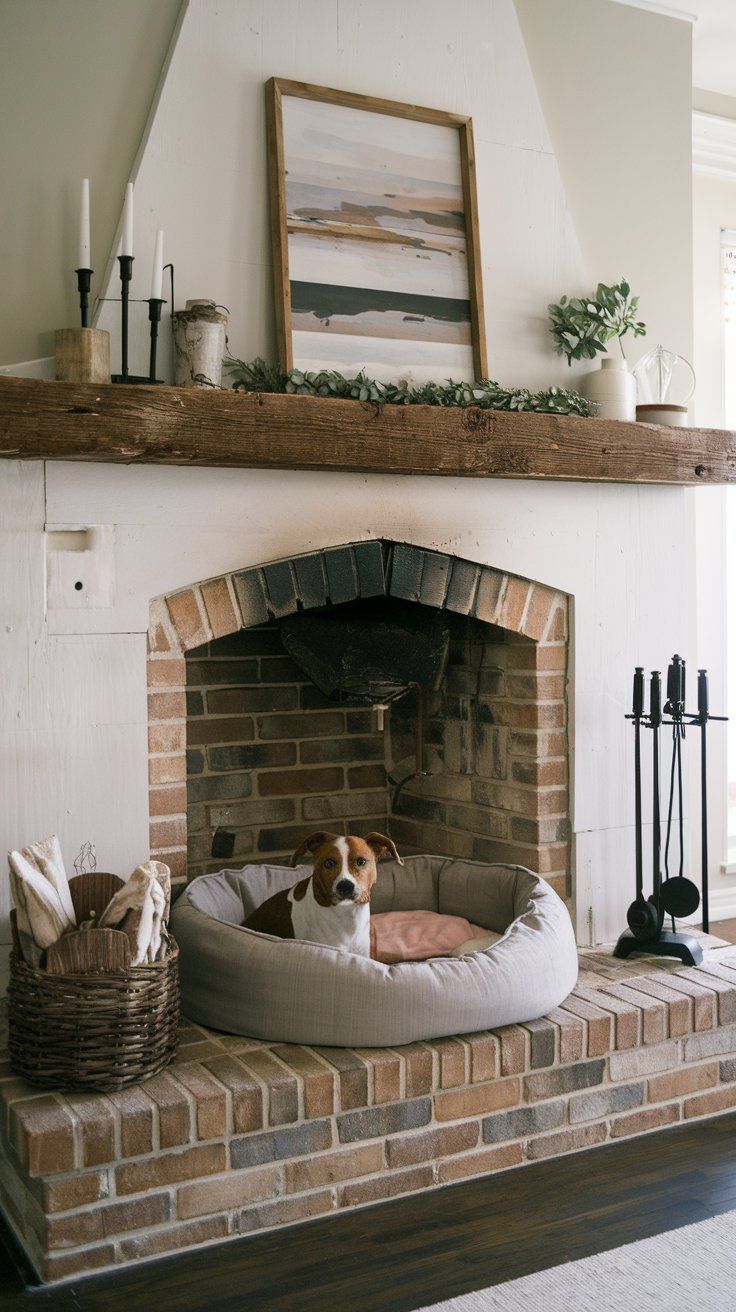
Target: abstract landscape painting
(374, 256)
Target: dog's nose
(345, 887)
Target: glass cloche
(665, 382)
(664, 378)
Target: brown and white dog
(332, 905)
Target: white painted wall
(714, 209)
(73, 740)
(202, 176)
(615, 84)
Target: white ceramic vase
(613, 389)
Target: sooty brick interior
(269, 758)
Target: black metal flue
(376, 651)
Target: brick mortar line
(533, 790)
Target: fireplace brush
(675, 896)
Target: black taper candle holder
(155, 304)
(126, 277)
(84, 282)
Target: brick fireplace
(239, 1135)
(247, 756)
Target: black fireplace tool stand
(674, 895)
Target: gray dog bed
(241, 982)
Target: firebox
(372, 686)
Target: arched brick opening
(535, 706)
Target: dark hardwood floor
(724, 929)
(402, 1255)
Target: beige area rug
(690, 1268)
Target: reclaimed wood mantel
(188, 426)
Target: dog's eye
(360, 861)
(329, 863)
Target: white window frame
(728, 346)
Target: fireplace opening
(430, 705)
(468, 758)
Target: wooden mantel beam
(177, 426)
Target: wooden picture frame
(419, 333)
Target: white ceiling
(714, 39)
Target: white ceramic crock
(613, 389)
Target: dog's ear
(380, 844)
(312, 844)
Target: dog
(332, 905)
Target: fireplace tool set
(672, 895)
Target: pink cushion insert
(417, 935)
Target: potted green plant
(583, 327)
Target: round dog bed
(236, 980)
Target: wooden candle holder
(82, 355)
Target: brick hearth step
(240, 1135)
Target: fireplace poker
(643, 915)
(655, 720)
(680, 896)
(675, 708)
(703, 718)
(638, 711)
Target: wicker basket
(98, 1030)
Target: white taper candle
(126, 245)
(157, 274)
(83, 257)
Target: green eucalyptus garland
(258, 376)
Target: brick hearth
(238, 1135)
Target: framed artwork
(374, 229)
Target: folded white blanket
(139, 909)
(46, 857)
(40, 891)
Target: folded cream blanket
(41, 895)
(140, 909)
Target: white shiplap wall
(201, 175)
(73, 740)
